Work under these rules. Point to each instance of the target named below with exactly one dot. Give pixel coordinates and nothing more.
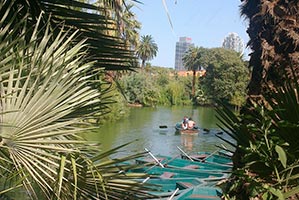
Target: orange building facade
(199, 73)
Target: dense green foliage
(116, 107)
(266, 157)
(226, 79)
(140, 88)
(266, 132)
(226, 76)
(155, 86)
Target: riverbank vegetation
(226, 77)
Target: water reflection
(187, 141)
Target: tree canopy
(226, 74)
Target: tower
(234, 42)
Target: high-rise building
(234, 42)
(181, 48)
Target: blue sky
(207, 22)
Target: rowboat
(193, 131)
(209, 158)
(200, 193)
(166, 187)
(174, 162)
(189, 131)
(162, 173)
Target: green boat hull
(200, 193)
(210, 158)
(170, 162)
(163, 188)
(160, 172)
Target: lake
(143, 125)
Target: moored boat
(168, 186)
(209, 158)
(165, 173)
(174, 162)
(200, 193)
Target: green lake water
(143, 125)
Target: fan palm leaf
(39, 91)
(46, 96)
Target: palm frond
(46, 96)
(109, 51)
(285, 102)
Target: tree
(191, 62)
(274, 42)
(126, 24)
(131, 28)
(226, 75)
(147, 49)
(140, 88)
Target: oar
(203, 160)
(165, 164)
(206, 130)
(224, 147)
(145, 180)
(185, 153)
(154, 157)
(173, 194)
(163, 126)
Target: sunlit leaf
(282, 157)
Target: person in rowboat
(190, 123)
(185, 123)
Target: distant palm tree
(147, 49)
(131, 27)
(127, 26)
(191, 63)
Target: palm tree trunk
(193, 83)
(270, 23)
